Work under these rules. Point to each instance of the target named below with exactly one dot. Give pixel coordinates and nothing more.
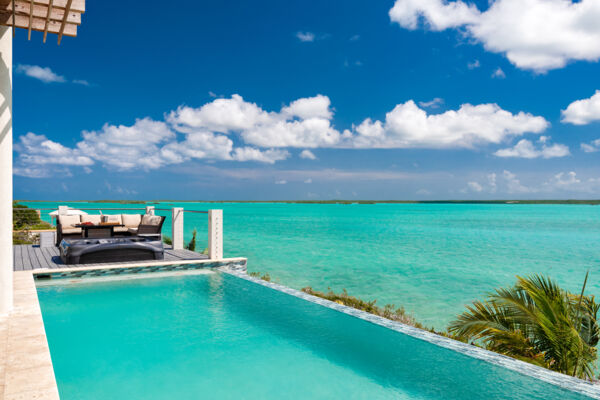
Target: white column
(6, 185)
(149, 210)
(177, 228)
(215, 234)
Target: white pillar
(63, 210)
(149, 210)
(6, 185)
(215, 234)
(177, 228)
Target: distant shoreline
(573, 202)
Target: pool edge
(564, 381)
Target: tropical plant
(538, 322)
(192, 244)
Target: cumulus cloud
(536, 35)
(526, 149)
(306, 36)
(591, 147)
(435, 103)
(308, 155)
(252, 154)
(474, 64)
(281, 182)
(513, 184)
(408, 126)
(39, 150)
(43, 74)
(474, 186)
(498, 73)
(582, 112)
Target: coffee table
(98, 231)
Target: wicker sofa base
(110, 250)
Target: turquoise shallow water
(431, 258)
(219, 337)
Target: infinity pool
(217, 336)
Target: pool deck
(28, 257)
(26, 370)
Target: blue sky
(312, 100)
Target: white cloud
(435, 103)
(81, 82)
(281, 182)
(308, 180)
(43, 74)
(475, 187)
(513, 184)
(526, 149)
(126, 147)
(307, 154)
(582, 112)
(591, 147)
(39, 150)
(309, 107)
(252, 154)
(536, 35)
(306, 36)
(474, 64)
(408, 126)
(498, 73)
(566, 179)
(354, 38)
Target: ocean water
(432, 259)
(215, 336)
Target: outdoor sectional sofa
(133, 225)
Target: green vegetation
(167, 240)
(25, 218)
(192, 244)
(538, 322)
(389, 311)
(265, 277)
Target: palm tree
(538, 322)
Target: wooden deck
(28, 257)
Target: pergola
(60, 17)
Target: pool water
(216, 336)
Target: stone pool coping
(543, 374)
(26, 370)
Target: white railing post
(177, 228)
(215, 234)
(149, 210)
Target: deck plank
(28, 257)
(17, 258)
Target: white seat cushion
(69, 221)
(69, 231)
(133, 231)
(120, 229)
(151, 219)
(94, 219)
(115, 219)
(131, 220)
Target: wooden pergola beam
(37, 24)
(47, 20)
(77, 5)
(31, 8)
(64, 22)
(24, 7)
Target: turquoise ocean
(432, 259)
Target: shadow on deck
(28, 257)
